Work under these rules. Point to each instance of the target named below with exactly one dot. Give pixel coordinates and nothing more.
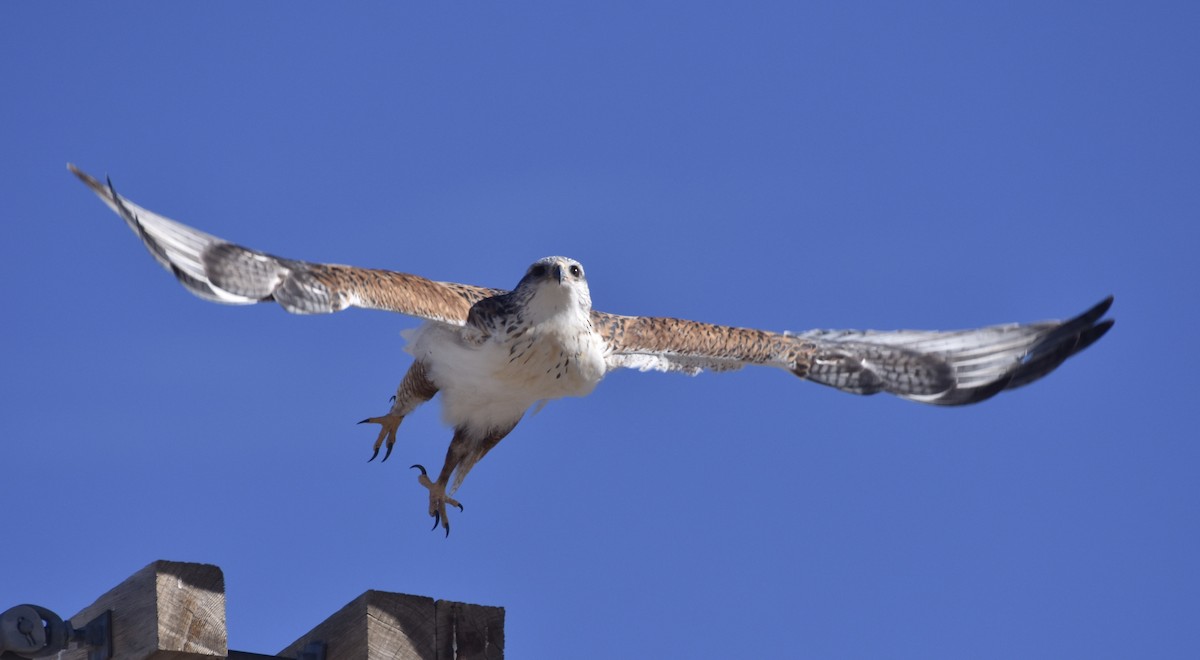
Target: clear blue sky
(774, 165)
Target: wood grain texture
(166, 611)
(378, 625)
(469, 632)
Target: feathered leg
(464, 452)
(414, 389)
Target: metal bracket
(30, 631)
(97, 636)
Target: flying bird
(493, 354)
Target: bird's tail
(950, 368)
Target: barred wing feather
(973, 364)
(217, 270)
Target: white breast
(493, 384)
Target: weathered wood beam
(380, 625)
(166, 611)
(176, 611)
(469, 632)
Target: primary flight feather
(492, 354)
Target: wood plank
(166, 611)
(469, 632)
(378, 625)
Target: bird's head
(555, 284)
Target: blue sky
(773, 165)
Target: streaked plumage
(493, 354)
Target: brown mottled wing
(666, 344)
(220, 271)
(971, 365)
(942, 368)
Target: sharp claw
(393, 399)
(458, 505)
(374, 455)
(365, 421)
(386, 453)
(447, 530)
(437, 518)
(419, 467)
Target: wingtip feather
(1098, 310)
(88, 180)
(1094, 334)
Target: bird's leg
(414, 389)
(438, 499)
(462, 455)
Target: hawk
(493, 354)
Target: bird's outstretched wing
(943, 368)
(220, 271)
(650, 343)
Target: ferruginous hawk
(492, 354)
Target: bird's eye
(576, 271)
(538, 270)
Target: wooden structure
(176, 611)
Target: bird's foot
(438, 499)
(390, 424)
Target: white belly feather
(491, 385)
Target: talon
(437, 499)
(387, 433)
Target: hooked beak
(557, 272)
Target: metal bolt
(25, 627)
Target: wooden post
(166, 611)
(469, 631)
(379, 625)
(176, 611)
